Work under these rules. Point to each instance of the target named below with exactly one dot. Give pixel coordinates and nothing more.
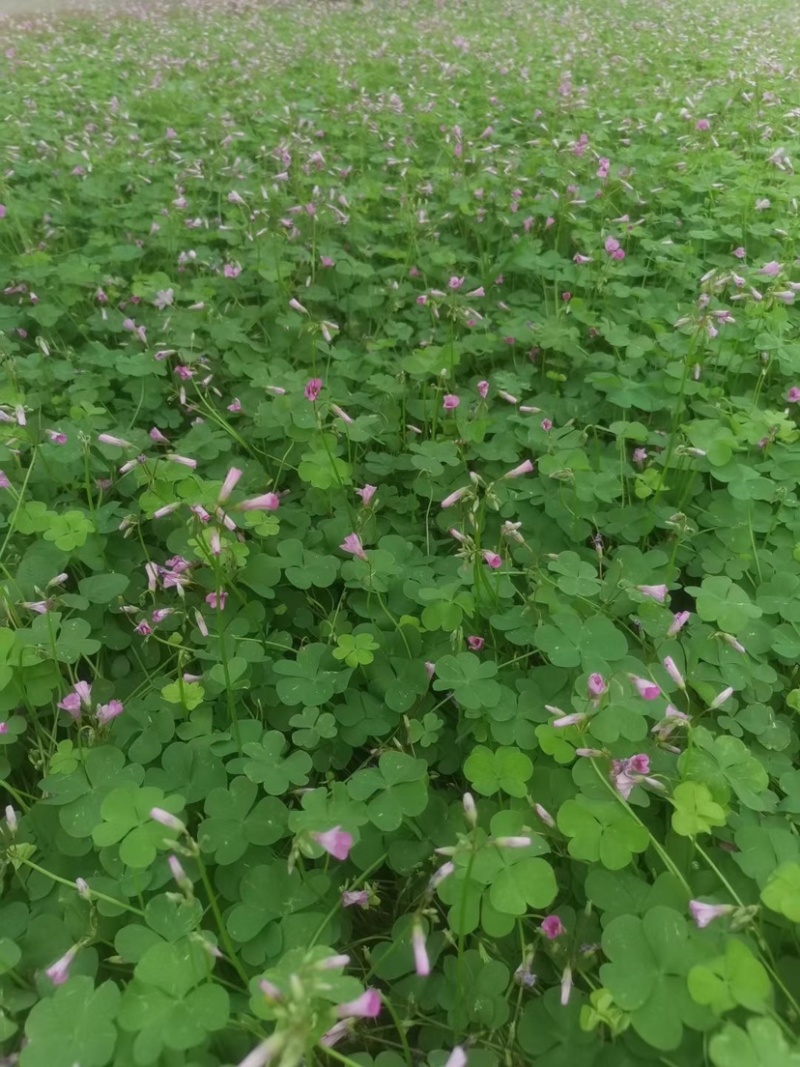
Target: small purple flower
(703, 914)
(552, 927)
(474, 643)
(166, 818)
(596, 685)
(313, 389)
(367, 1006)
(450, 401)
(655, 592)
(422, 964)
(58, 972)
(355, 898)
(352, 544)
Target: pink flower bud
(336, 842)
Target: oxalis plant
(399, 536)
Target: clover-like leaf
(75, 1025)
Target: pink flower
(265, 502)
(161, 513)
(166, 818)
(566, 296)
(352, 544)
(739, 252)
(235, 406)
(703, 125)
(647, 690)
(479, 292)
(58, 972)
(201, 623)
(483, 389)
(552, 927)
(450, 401)
(457, 1058)
(547, 425)
(611, 245)
(184, 461)
(492, 559)
(4, 481)
(326, 261)
(336, 842)
(2, 211)
(342, 414)
(703, 914)
(109, 439)
(454, 497)
(655, 592)
(720, 698)
(771, 269)
(106, 712)
(564, 721)
(455, 283)
(596, 685)
(581, 260)
(231, 480)
(679, 620)
(355, 898)
(422, 965)
(71, 704)
(639, 456)
(474, 643)
(231, 270)
(524, 468)
(367, 1006)
(217, 600)
(157, 436)
(295, 305)
(566, 986)
(672, 670)
(313, 389)
(144, 629)
(793, 396)
(545, 816)
(366, 494)
(57, 437)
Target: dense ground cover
(399, 402)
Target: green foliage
(273, 290)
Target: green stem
(223, 930)
(94, 892)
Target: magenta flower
(639, 456)
(422, 964)
(56, 437)
(647, 690)
(336, 842)
(161, 513)
(564, 721)
(355, 898)
(144, 629)
(266, 502)
(491, 559)
(4, 482)
(217, 600)
(611, 245)
(157, 436)
(58, 972)
(483, 389)
(703, 914)
(352, 544)
(366, 494)
(455, 283)
(475, 644)
(71, 704)
(547, 425)
(523, 468)
(106, 712)
(231, 270)
(739, 252)
(2, 211)
(367, 1006)
(450, 401)
(596, 685)
(655, 592)
(313, 389)
(793, 396)
(3, 727)
(552, 927)
(703, 125)
(326, 261)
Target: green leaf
(505, 769)
(103, 588)
(720, 600)
(782, 891)
(601, 830)
(735, 979)
(695, 812)
(527, 885)
(75, 1025)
